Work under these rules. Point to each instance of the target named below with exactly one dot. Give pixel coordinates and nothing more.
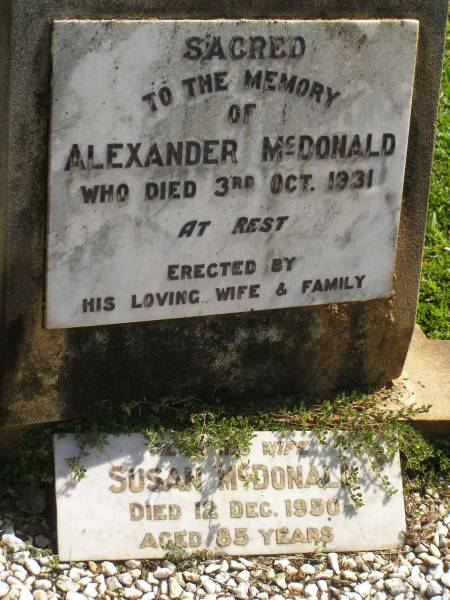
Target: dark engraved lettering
(287, 84)
(298, 47)
(189, 83)
(194, 50)
(252, 81)
(276, 45)
(75, 160)
(111, 154)
(89, 194)
(232, 48)
(214, 48)
(90, 160)
(257, 45)
(134, 158)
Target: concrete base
(425, 379)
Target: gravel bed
(421, 570)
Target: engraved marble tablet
(209, 167)
(286, 495)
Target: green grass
(434, 297)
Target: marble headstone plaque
(209, 167)
(286, 495)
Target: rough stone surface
(311, 349)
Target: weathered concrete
(51, 375)
(426, 381)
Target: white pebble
(162, 573)
(441, 529)
(445, 579)
(281, 563)
(308, 569)
(25, 594)
(208, 585)
(91, 590)
(144, 586)
(131, 593)
(190, 576)
(42, 584)
(395, 586)
(113, 584)
(152, 579)
(429, 560)
(290, 571)
(222, 577)
(108, 568)
(175, 589)
(437, 571)
(133, 564)
(326, 574)
(433, 589)
(435, 551)
(102, 589)
(347, 574)
(135, 573)
(12, 542)
(280, 580)
(243, 575)
(363, 589)
(39, 595)
(311, 590)
(212, 568)
(241, 591)
(21, 557)
(295, 587)
(415, 581)
(247, 563)
(334, 563)
(67, 585)
(374, 576)
(125, 578)
(75, 596)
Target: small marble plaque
(287, 495)
(210, 167)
